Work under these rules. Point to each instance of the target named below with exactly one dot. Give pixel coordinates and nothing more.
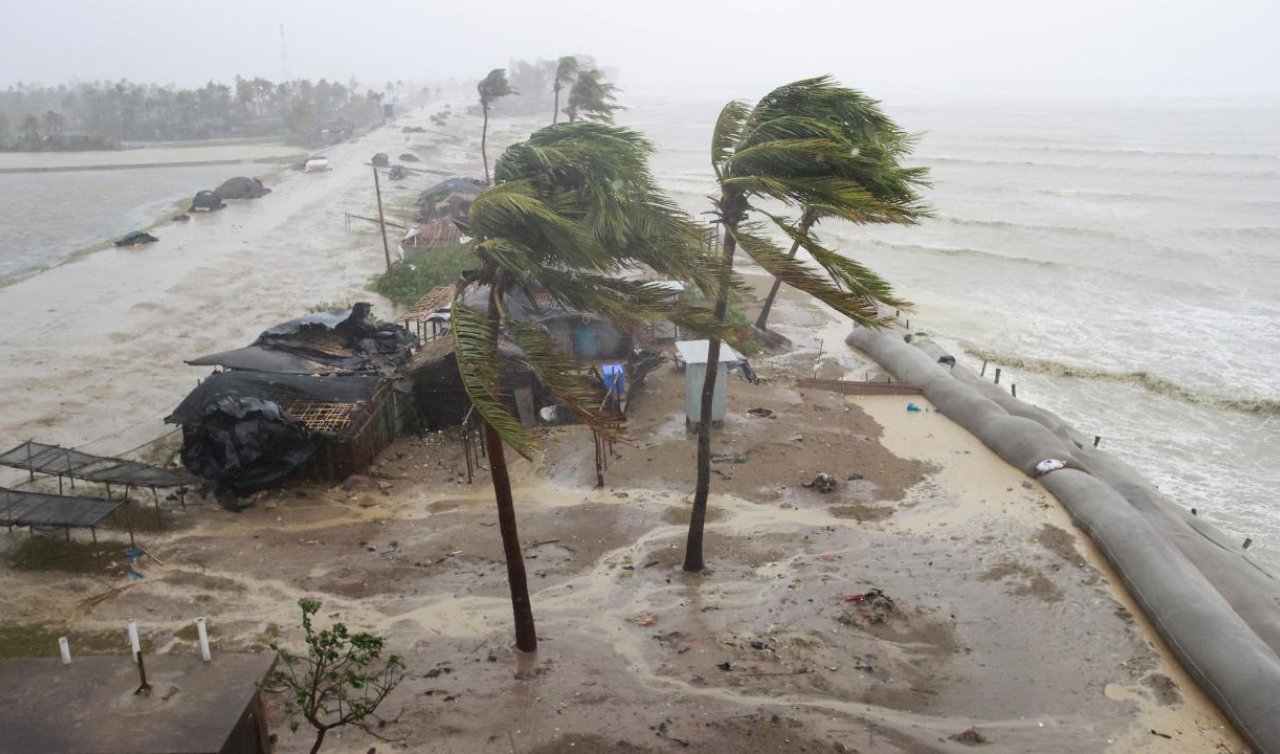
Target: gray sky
(690, 47)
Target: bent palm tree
(793, 148)
(591, 98)
(881, 145)
(566, 69)
(491, 88)
(574, 208)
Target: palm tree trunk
(484, 135)
(702, 488)
(762, 322)
(526, 633)
(555, 109)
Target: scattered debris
(136, 238)
(870, 607)
(762, 413)
(644, 620)
(824, 483)
(726, 666)
(728, 458)
(971, 737)
(1047, 465)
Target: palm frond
(475, 344)
(846, 273)
(727, 133)
(795, 273)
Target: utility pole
(382, 223)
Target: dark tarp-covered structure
(335, 342)
(449, 199)
(245, 431)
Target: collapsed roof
(333, 342)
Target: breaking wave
(1146, 379)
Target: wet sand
(935, 601)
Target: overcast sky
(694, 47)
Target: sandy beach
(995, 624)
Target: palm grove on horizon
(574, 207)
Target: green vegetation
(592, 98)
(421, 271)
(340, 681)
(491, 88)
(101, 114)
(810, 144)
(574, 206)
(566, 70)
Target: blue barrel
(615, 381)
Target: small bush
(410, 280)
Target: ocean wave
(1228, 174)
(1072, 230)
(960, 251)
(1146, 379)
(1262, 156)
(1264, 232)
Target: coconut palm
(792, 148)
(573, 210)
(881, 146)
(566, 69)
(592, 98)
(491, 88)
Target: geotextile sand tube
(1218, 611)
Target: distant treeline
(101, 114)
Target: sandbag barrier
(1218, 611)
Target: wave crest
(1146, 379)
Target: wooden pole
(1014, 387)
(382, 223)
(997, 375)
(983, 373)
(1096, 439)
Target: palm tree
(881, 146)
(566, 69)
(792, 148)
(491, 88)
(591, 98)
(573, 209)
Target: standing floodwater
(1118, 261)
(56, 210)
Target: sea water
(47, 216)
(1119, 261)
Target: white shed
(694, 355)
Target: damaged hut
(603, 352)
(318, 396)
(438, 209)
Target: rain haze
(713, 48)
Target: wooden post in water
(997, 375)
(382, 223)
(1096, 439)
(1014, 387)
(983, 373)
